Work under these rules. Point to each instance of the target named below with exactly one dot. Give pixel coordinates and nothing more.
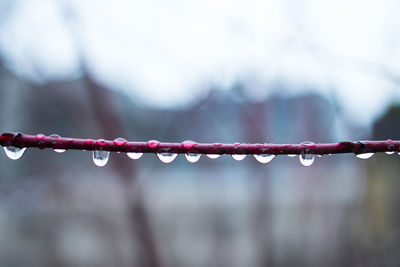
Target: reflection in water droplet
(14, 152)
(264, 158)
(153, 144)
(100, 157)
(188, 144)
(238, 156)
(213, 156)
(134, 155)
(292, 155)
(119, 141)
(364, 155)
(389, 152)
(192, 157)
(167, 157)
(58, 150)
(306, 159)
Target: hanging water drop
(292, 155)
(14, 152)
(389, 152)
(58, 150)
(167, 157)
(306, 159)
(213, 156)
(238, 156)
(364, 155)
(192, 157)
(134, 155)
(264, 158)
(119, 141)
(100, 157)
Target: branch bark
(41, 141)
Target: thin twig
(41, 141)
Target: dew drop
(292, 155)
(166, 157)
(306, 159)
(100, 157)
(58, 150)
(101, 142)
(264, 158)
(364, 155)
(308, 144)
(188, 144)
(213, 156)
(153, 144)
(14, 152)
(238, 156)
(40, 136)
(119, 141)
(88, 142)
(134, 155)
(192, 157)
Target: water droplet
(292, 155)
(364, 155)
(88, 142)
(213, 156)
(153, 144)
(119, 141)
(40, 136)
(217, 144)
(188, 144)
(100, 157)
(192, 157)
(389, 152)
(264, 158)
(101, 142)
(14, 152)
(134, 155)
(238, 156)
(58, 150)
(167, 157)
(306, 159)
(308, 144)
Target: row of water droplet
(100, 157)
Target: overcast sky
(167, 52)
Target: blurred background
(210, 71)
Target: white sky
(167, 52)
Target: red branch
(41, 141)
